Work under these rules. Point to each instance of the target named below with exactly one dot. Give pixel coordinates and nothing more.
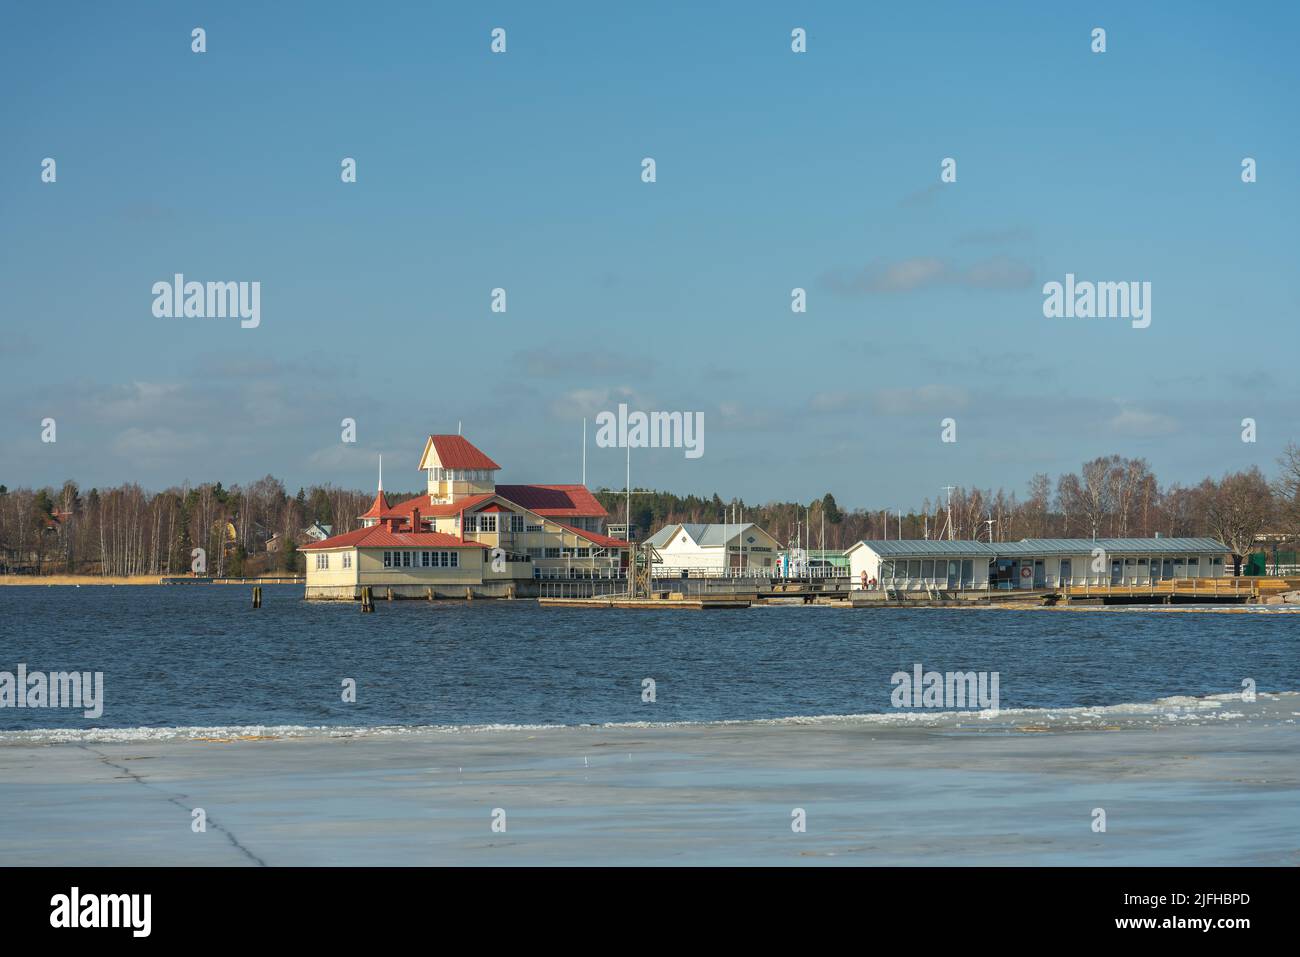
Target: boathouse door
(1040, 574)
(954, 573)
(1116, 571)
(1064, 577)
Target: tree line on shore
(1109, 497)
(126, 530)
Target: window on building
(583, 553)
(533, 528)
(516, 523)
(455, 559)
(487, 523)
(347, 559)
(406, 559)
(388, 559)
(552, 553)
(322, 561)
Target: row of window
(487, 522)
(460, 475)
(938, 568)
(323, 560)
(414, 559)
(563, 552)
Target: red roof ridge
(376, 535)
(458, 452)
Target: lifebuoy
(1026, 571)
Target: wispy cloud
(995, 237)
(1142, 423)
(554, 365)
(922, 399)
(927, 272)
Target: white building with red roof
(467, 535)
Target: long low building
(1032, 562)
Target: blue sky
(522, 171)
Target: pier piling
(367, 599)
(257, 596)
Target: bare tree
(1236, 509)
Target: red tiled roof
(378, 509)
(429, 510)
(554, 501)
(594, 537)
(457, 452)
(379, 535)
(551, 501)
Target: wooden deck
(1188, 589)
(700, 603)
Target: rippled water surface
(200, 656)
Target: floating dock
(693, 603)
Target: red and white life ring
(1026, 571)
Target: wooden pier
(692, 603)
(1206, 591)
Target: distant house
(315, 532)
(709, 549)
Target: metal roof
(918, 547)
(1045, 547)
(704, 535)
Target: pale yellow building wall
(373, 572)
(335, 574)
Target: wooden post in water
(257, 596)
(429, 593)
(469, 593)
(367, 599)
(390, 594)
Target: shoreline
(76, 581)
(1217, 783)
(1135, 715)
